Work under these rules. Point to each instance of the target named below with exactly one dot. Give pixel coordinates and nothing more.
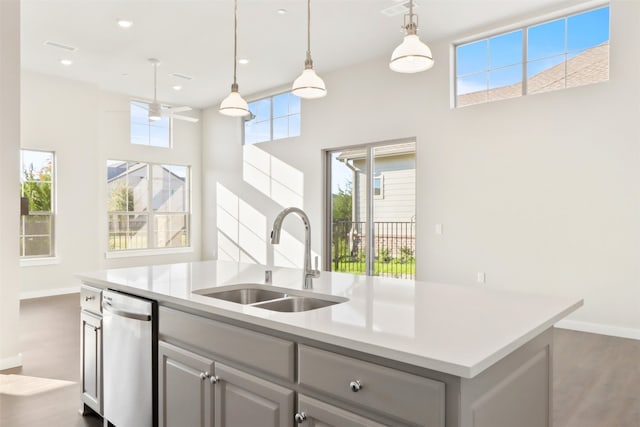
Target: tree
(342, 204)
(37, 188)
(121, 199)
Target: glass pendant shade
(234, 105)
(412, 56)
(155, 113)
(309, 85)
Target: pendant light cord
(309, 28)
(155, 82)
(235, 41)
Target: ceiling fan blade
(172, 110)
(185, 118)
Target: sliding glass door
(371, 209)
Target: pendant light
(234, 105)
(309, 85)
(412, 56)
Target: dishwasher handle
(106, 305)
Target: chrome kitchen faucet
(309, 273)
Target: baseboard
(11, 362)
(597, 328)
(49, 292)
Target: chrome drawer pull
(356, 386)
(214, 379)
(204, 375)
(300, 417)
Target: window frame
(52, 256)
(149, 126)
(271, 118)
(151, 214)
(523, 26)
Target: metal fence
(393, 243)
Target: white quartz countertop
(456, 329)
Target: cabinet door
(185, 396)
(244, 400)
(314, 413)
(91, 352)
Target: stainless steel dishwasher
(129, 360)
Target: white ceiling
(195, 37)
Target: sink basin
(271, 298)
(246, 295)
(295, 304)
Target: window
(37, 186)
(566, 52)
(146, 132)
(372, 234)
(149, 205)
(276, 117)
(378, 189)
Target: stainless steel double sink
(271, 298)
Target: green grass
(393, 268)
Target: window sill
(35, 262)
(147, 252)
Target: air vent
(60, 46)
(182, 76)
(399, 8)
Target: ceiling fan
(157, 110)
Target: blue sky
(497, 61)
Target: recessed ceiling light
(66, 62)
(243, 61)
(281, 11)
(124, 23)
(177, 87)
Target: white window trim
(271, 119)
(125, 253)
(39, 261)
(144, 101)
(504, 29)
(26, 261)
(131, 253)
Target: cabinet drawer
(236, 345)
(91, 298)
(387, 391)
(324, 414)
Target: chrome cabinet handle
(89, 298)
(204, 375)
(214, 379)
(300, 417)
(355, 386)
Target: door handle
(123, 313)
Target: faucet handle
(268, 276)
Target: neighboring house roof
(382, 151)
(591, 66)
(115, 172)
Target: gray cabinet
(185, 388)
(91, 353)
(245, 400)
(91, 350)
(314, 413)
(196, 391)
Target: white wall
(85, 126)
(9, 172)
(541, 193)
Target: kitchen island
(387, 352)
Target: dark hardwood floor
(596, 378)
